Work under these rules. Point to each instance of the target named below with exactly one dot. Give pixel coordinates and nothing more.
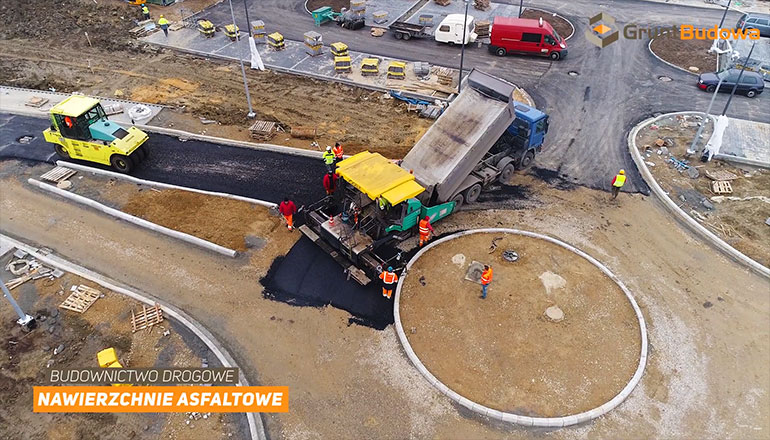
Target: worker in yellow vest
(163, 23)
(617, 183)
(329, 159)
(389, 279)
(486, 278)
(337, 150)
(145, 11)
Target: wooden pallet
(721, 187)
(720, 175)
(146, 318)
(58, 174)
(262, 130)
(36, 101)
(81, 299)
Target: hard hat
(328, 148)
(390, 268)
(427, 217)
(161, 15)
(622, 172)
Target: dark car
(751, 83)
(755, 21)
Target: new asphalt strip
(306, 276)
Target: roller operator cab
(451, 30)
(81, 130)
(526, 36)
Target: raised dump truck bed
(453, 147)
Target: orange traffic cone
(331, 221)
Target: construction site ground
(685, 53)
(195, 87)
(562, 26)
(69, 340)
(220, 220)
(706, 375)
(741, 223)
(501, 351)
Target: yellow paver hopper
(376, 176)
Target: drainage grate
(27, 138)
(510, 256)
(665, 78)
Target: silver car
(755, 21)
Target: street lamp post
(724, 14)
(243, 69)
(24, 319)
(521, 4)
(691, 150)
(740, 75)
(462, 51)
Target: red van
(527, 36)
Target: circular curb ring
(547, 422)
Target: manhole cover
(665, 78)
(554, 314)
(27, 138)
(510, 256)
(573, 73)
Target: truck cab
(526, 134)
(81, 130)
(450, 30)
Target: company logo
(602, 30)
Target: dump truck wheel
(526, 160)
(506, 173)
(407, 36)
(61, 151)
(121, 163)
(458, 199)
(472, 194)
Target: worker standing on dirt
(329, 159)
(330, 183)
(163, 23)
(389, 279)
(288, 210)
(617, 183)
(486, 278)
(337, 150)
(425, 229)
(145, 11)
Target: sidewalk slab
(747, 139)
(293, 59)
(456, 7)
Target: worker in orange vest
(425, 230)
(337, 150)
(389, 279)
(486, 278)
(617, 183)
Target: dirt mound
(685, 53)
(107, 24)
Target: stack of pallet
(445, 76)
(262, 130)
(357, 9)
(258, 29)
(313, 43)
(481, 5)
(380, 17)
(443, 2)
(482, 29)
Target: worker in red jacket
(330, 183)
(288, 210)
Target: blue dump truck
(482, 137)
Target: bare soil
(220, 220)
(562, 26)
(336, 5)
(24, 358)
(685, 53)
(501, 351)
(741, 223)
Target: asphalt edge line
(256, 427)
(560, 16)
(547, 422)
(135, 220)
(649, 48)
(679, 214)
(113, 174)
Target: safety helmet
(328, 148)
(390, 268)
(622, 172)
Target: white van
(451, 30)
